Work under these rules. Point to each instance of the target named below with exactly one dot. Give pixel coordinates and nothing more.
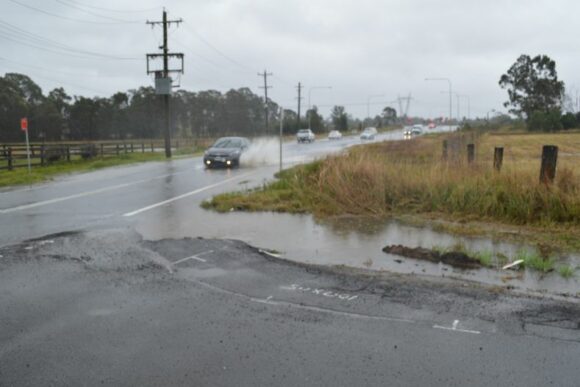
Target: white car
(334, 135)
(368, 134)
(305, 135)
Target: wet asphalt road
(104, 307)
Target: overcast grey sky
(359, 47)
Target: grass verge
(21, 176)
(409, 179)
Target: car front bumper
(220, 161)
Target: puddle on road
(353, 242)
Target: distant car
(432, 125)
(409, 133)
(225, 152)
(369, 133)
(416, 131)
(305, 135)
(334, 135)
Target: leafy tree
(315, 120)
(389, 115)
(569, 121)
(533, 86)
(339, 118)
(542, 121)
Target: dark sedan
(226, 152)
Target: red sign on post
(24, 124)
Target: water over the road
(357, 243)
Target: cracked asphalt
(106, 307)
(105, 279)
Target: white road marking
(194, 192)
(267, 299)
(196, 257)
(454, 326)
(80, 195)
(320, 292)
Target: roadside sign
(24, 128)
(24, 124)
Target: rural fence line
(14, 156)
(451, 151)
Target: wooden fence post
(131, 147)
(445, 151)
(142, 147)
(125, 147)
(549, 161)
(497, 158)
(68, 152)
(42, 156)
(470, 153)
(117, 148)
(152, 150)
(9, 155)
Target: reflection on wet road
(161, 200)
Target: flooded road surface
(355, 243)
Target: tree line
(138, 114)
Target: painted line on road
(194, 192)
(196, 257)
(454, 326)
(81, 195)
(302, 306)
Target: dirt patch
(453, 258)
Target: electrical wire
(20, 36)
(65, 3)
(115, 10)
(63, 17)
(228, 58)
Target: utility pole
(299, 87)
(162, 79)
(266, 87)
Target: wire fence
(14, 156)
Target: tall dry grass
(410, 176)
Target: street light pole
(369, 103)
(468, 104)
(450, 95)
(309, 106)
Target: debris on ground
(453, 258)
(515, 265)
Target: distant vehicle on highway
(414, 131)
(417, 130)
(432, 125)
(334, 135)
(225, 152)
(305, 135)
(368, 134)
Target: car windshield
(304, 131)
(228, 143)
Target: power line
(62, 17)
(115, 10)
(21, 36)
(64, 2)
(207, 43)
(265, 74)
(299, 88)
(162, 77)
